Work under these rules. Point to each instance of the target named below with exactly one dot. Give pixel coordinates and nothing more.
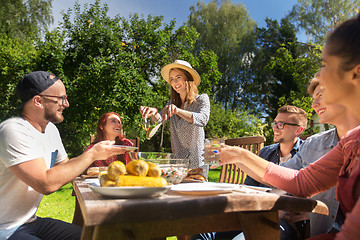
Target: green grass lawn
(61, 204)
(214, 175)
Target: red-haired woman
(109, 127)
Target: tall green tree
(274, 75)
(299, 71)
(113, 64)
(318, 17)
(226, 29)
(17, 57)
(25, 18)
(233, 123)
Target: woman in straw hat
(340, 76)
(188, 112)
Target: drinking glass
(212, 145)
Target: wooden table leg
(87, 233)
(256, 225)
(77, 218)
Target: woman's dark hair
(344, 42)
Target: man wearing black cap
(33, 160)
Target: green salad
(149, 129)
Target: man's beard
(279, 140)
(53, 117)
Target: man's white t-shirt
(21, 142)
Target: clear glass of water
(212, 145)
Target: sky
(178, 9)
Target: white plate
(191, 181)
(263, 189)
(128, 148)
(199, 188)
(223, 185)
(128, 192)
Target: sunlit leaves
(318, 17)
(224, 28)
(25, 18)
(17, 57)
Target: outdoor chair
(136, 142)
(230, 173)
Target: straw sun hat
(183, 65)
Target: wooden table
(174, 215)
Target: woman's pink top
(340, 167)
(106, 162)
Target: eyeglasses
(281, 125)
(63, 98)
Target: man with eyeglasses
(288, 125)
(33, 160)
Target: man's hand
(105, 149)
(46, 180)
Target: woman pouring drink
(187, 111)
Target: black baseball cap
(34, 83)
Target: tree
(290, 76)
(17, 57)
(113, 64)
(233, 123)
(104, 70)
(318, 17)
(225, 28)
(21, 18)
(274, 73)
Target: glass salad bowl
(173, 169)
